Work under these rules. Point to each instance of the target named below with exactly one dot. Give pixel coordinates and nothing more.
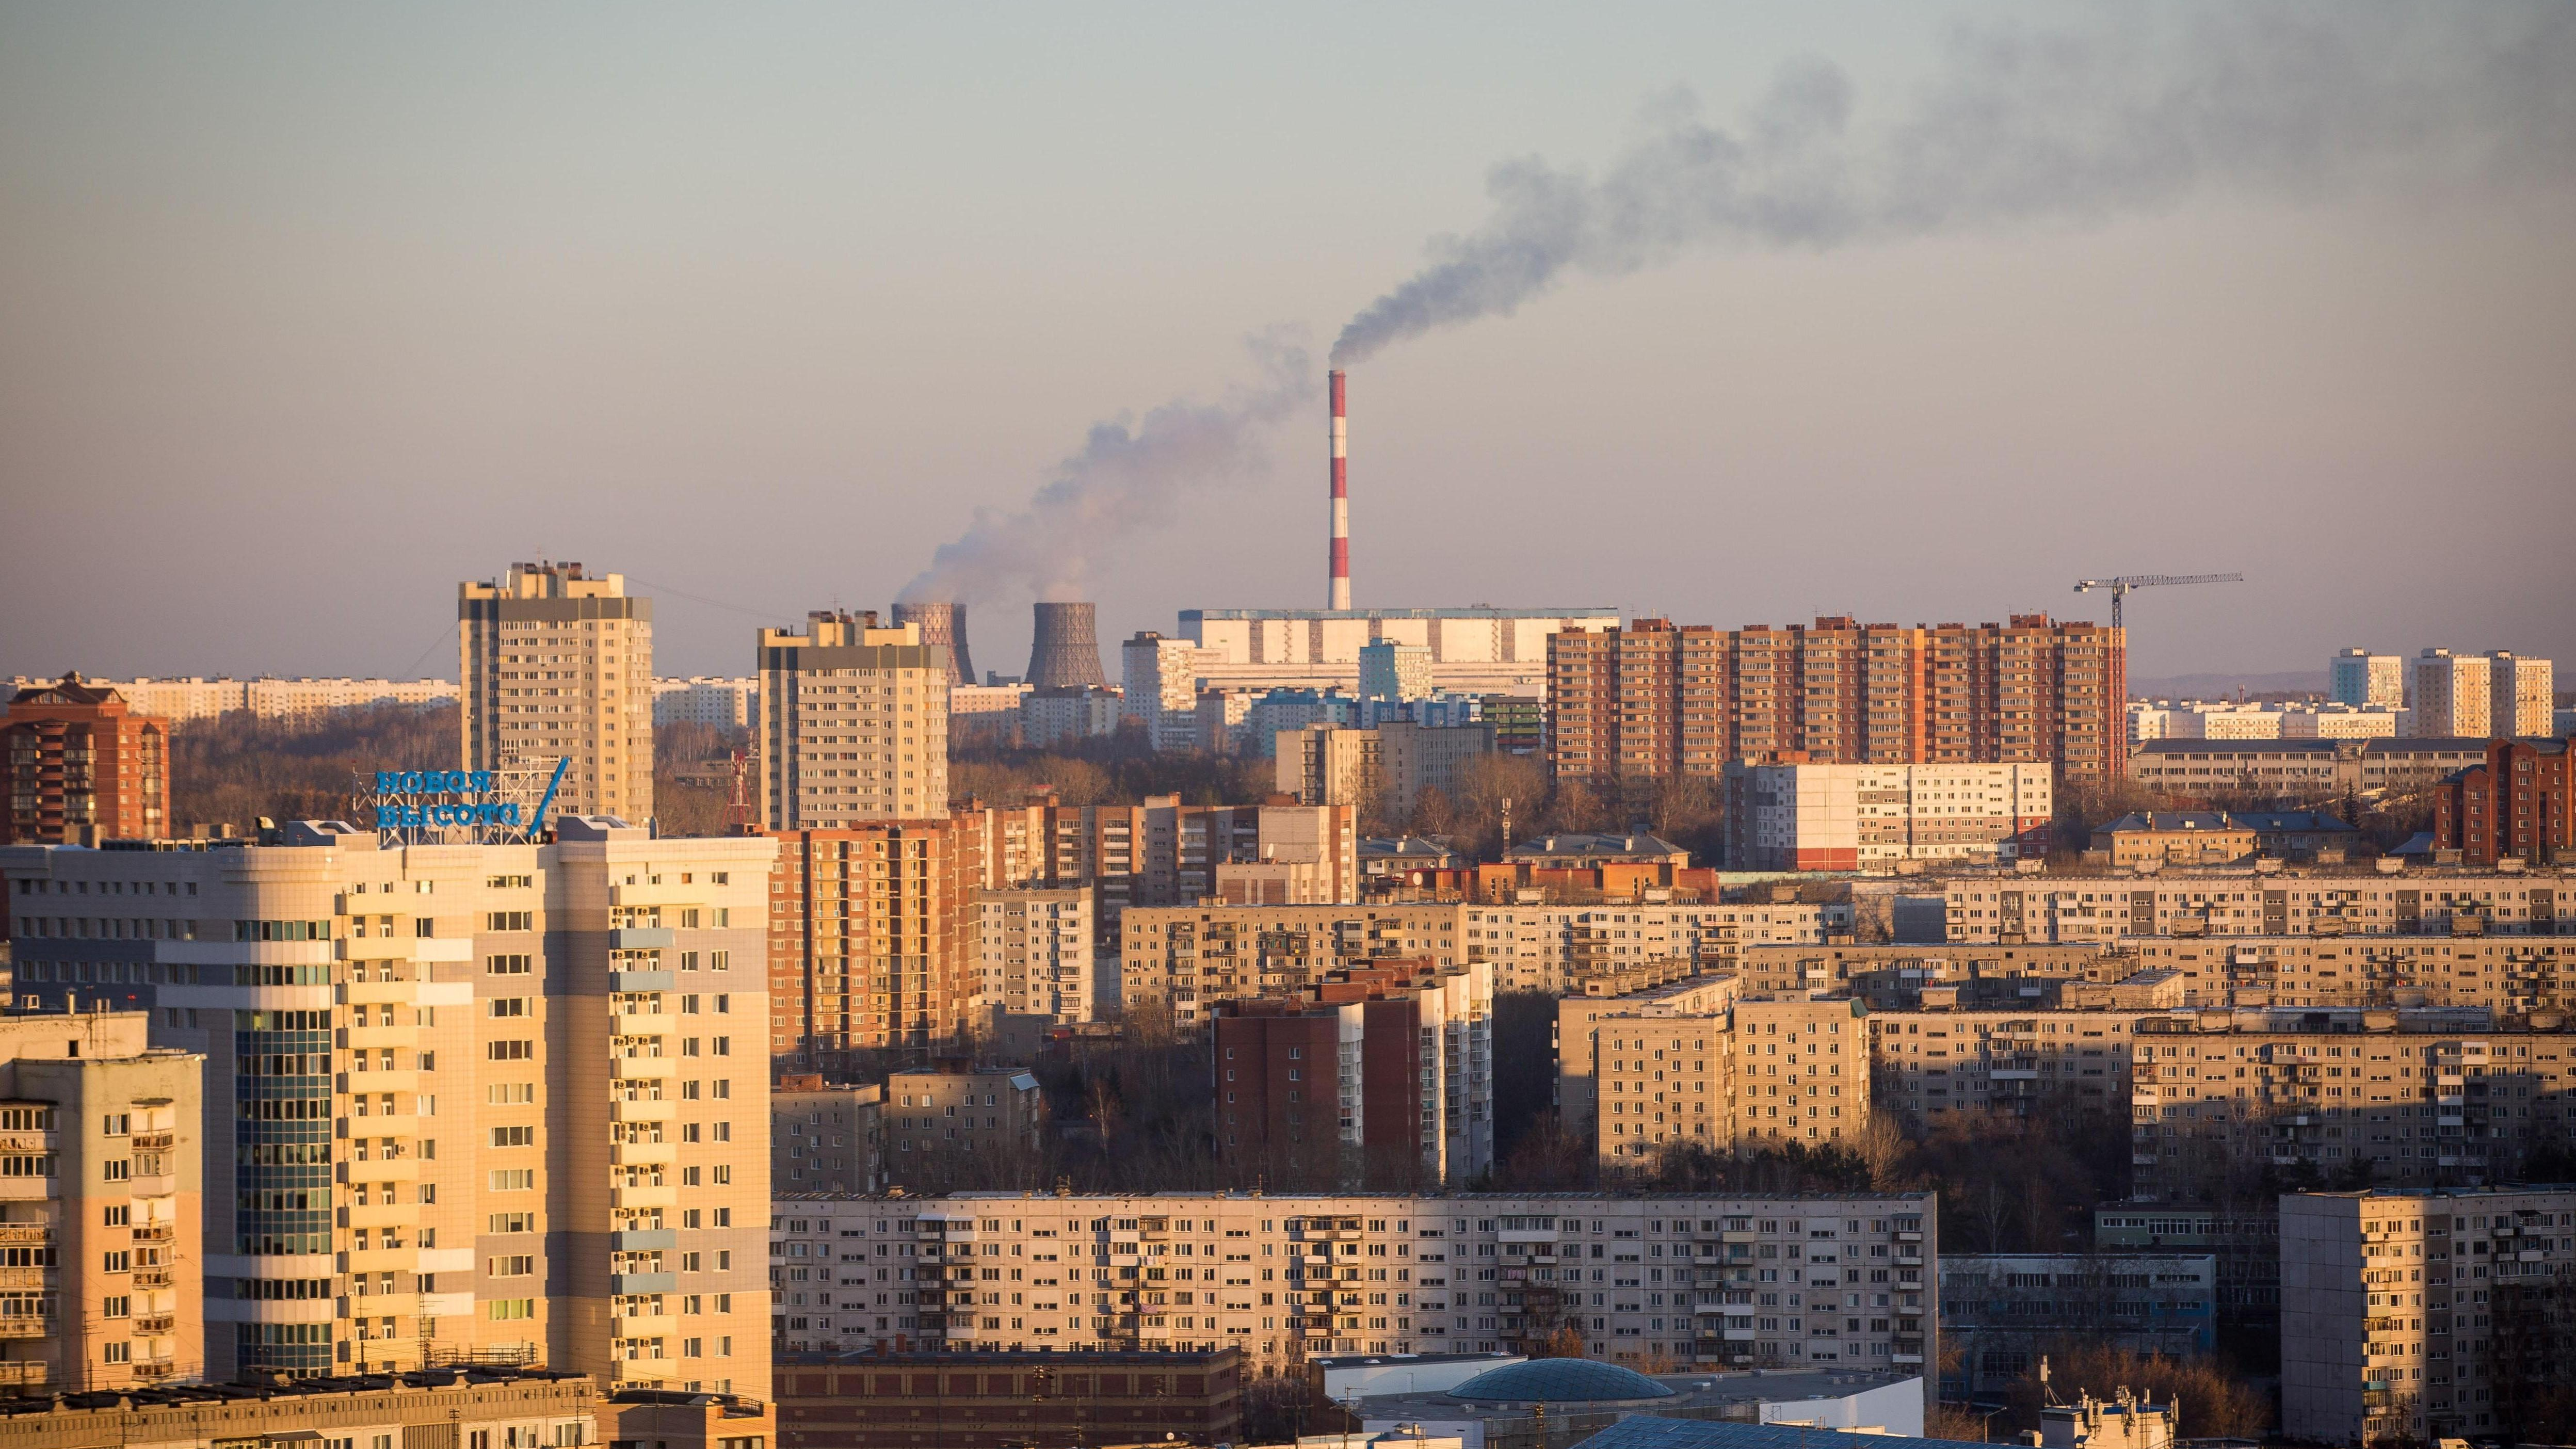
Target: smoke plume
(2127, 114)
(1123, 479)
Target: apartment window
(513, 1179)
(507, 965)
(514, 1136)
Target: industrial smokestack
(943, 627)
(1338, 563)
(1066, 648)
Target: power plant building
(1472, 651)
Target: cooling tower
(943, 626)
(1066, 649)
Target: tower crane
(2120, 586)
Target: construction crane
(2120, 586)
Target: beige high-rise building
(2521, 695)
(853, 724)
(506, 1100)
(2451, 695)
(1035, 949)
(101, 1277)
(558, 666)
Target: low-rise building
(931, 1119)
(2416, 1316)
(922, 1400)
(825, 1136)
(720, 703)
(1842, 966)
(2000, 1312)
(492, 1406)
(985, 716)
(2314, 768)
(1840, 1281)
(2245, 1241)
(2175, 837)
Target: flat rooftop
(1700, 1395)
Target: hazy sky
(308, 312)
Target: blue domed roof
(1559, 1381)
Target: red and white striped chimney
(1339, 595)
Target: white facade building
(1065, 714)
(1815, 1282)
(1473, 651)
(2521, 694)
(1865, 817)
(181, 701)
(1161, 678)
(2451, 694)
(708, 700)
(1394, 671)
(2363, 680)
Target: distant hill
(2213, 686)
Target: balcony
(642, 1109)
(26, 1326)
(643, 980)
(157, 1141)
(664, 1196)
(651, 896)
(150, 1323)
(642, 1239)
(27, 1280)
(155, 1368)
(640, 938)
(644, 1068)
(622, 1283)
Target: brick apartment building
(873, 939)
(1380, 1076)
(1655, 700)
(1042, 1400)
(2519, 805)
(75, 758)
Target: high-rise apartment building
(854, 724)
(2364, 680)
(557, 665)
(2418, 1316)
(2521, 695)
(2453, 695)
(461, 1089)
(1655, 700)
(1159, 680)
(76, 763)
(1379, 1076)
(1034, 948)
(100, 1221)
(1396, 671)
(873, 940)
(1834, 1281)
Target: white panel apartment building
(181, 701)
(1816, 1282)
(1159, 683)
(708, 700)
(2043, 910)
(1869, 817)
(2412, 1316)
(1549, 948)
